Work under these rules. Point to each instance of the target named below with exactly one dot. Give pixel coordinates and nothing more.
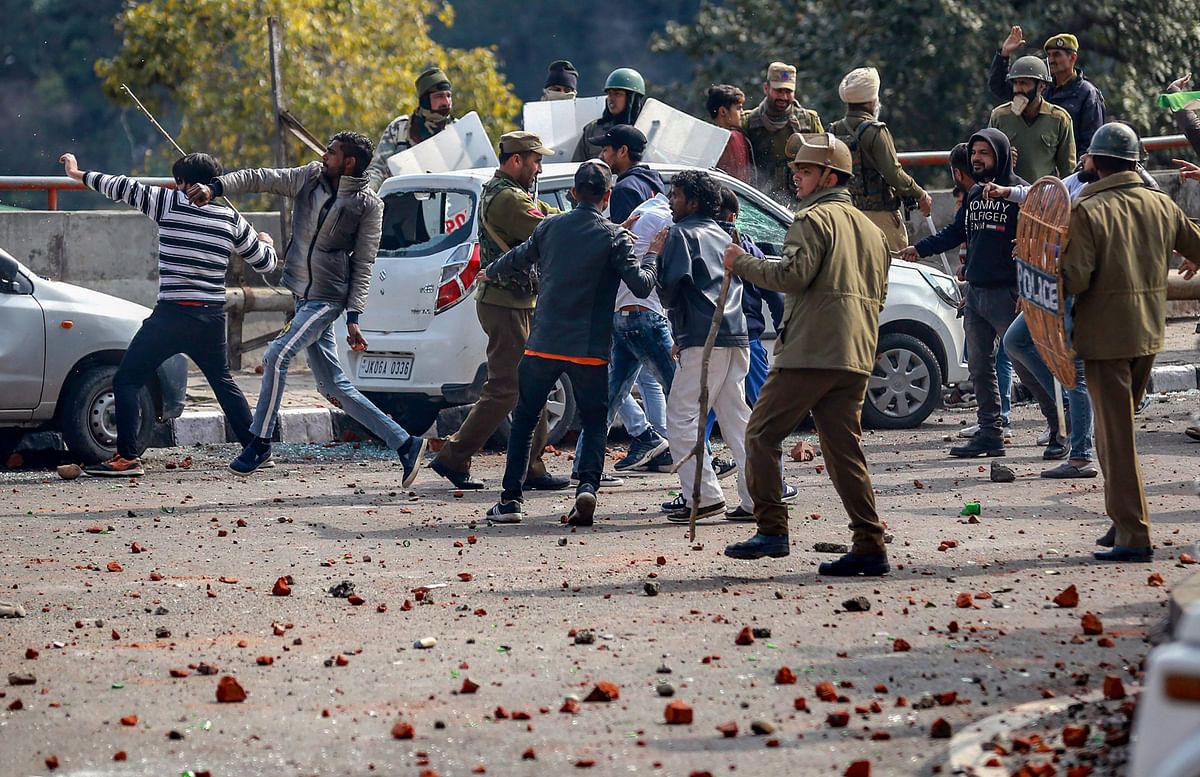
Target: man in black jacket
(621, 148)
(580, 257)
(989, 228)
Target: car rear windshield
(420, 223)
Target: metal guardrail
(52, 185)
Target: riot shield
(559, 123)
(1041, 236)
(460, 146)
(676, 138)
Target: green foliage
(933, 55)
(348, 64)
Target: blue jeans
(755, 378)
(651, 414)
(1020, 346)
(641, 340)
(311, 329)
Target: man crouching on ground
(834, 273)
(580, 257)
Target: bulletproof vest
(868, 189)
(489, 249)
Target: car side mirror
(8, 267)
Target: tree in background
(345, 65)
(933, 55)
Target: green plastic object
(970, 508)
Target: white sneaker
(970, 431)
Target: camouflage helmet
(628, 79)
(1116, 140)
(1030, 67)
(824, 150)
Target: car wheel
(905, 385)
(560, 410)
(87, 417)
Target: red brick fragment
(129, 720)
(281, 588)
(466, 577)
(901, 646)
(180, 673)
(356, 600)
(826, 692)
(114, 567)
(963, 601)
(1186, 558)
(728, 730)
(229, 691)
(785, 676)
(569, 706)
(838, 718)
(800, 703)
(1155, 580)
(1113, 687)
(155, 575)
(468, 686)
(940, 729)
(120, 755)
(528, 755)
(604, 691)
(136, 548)
(403, 730)
(51, 760)
(1091, 624)
(264, 660)
(31, 654)
(858, 769)
(1068, 597)
(744, 637)
(500, 713)
(678, 713)
(1075, 736)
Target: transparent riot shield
(559, 123)
(674, 137)
(460, 146)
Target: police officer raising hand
(1014, 41)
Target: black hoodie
(633, 187)
(989, 227)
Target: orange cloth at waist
(590, 361)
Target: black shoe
(773, 545)
(584, 511)
(739, 514)
(1055, 449)
(852, 564)
(1122, 553)
(684, 514)
(458, 479)
(505, 512)
(723, 467)
(1109, 539)
(979, 445)
(546, 482)
(663, 463)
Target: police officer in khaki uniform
(1115, 263)
(768, 127)
(834, 275)
(880, 184)
(1038, 129)
(508, 215)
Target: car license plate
(388, 367)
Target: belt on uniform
(627, 309)
(188, 303)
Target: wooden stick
(702, 419)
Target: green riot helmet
(1116, 140)
(1030, 67)
(628, 79)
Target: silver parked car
(60, 347)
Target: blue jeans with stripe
(311, 330)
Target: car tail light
(1182, 687)
(458, 276)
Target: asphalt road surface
(327, 681)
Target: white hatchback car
(427, 352)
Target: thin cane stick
(933, 231)
(1058, 407)
(702, 419)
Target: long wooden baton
(702, 419)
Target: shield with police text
(560, 123)
(675, 138)
(1041, 236)
(460, 146)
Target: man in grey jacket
(336, 223)
(581, 258)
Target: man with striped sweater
(194, 246)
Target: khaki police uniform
(1115, 263)
(834, 275)
(769, 136)
(880, 184)
(508, 215)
